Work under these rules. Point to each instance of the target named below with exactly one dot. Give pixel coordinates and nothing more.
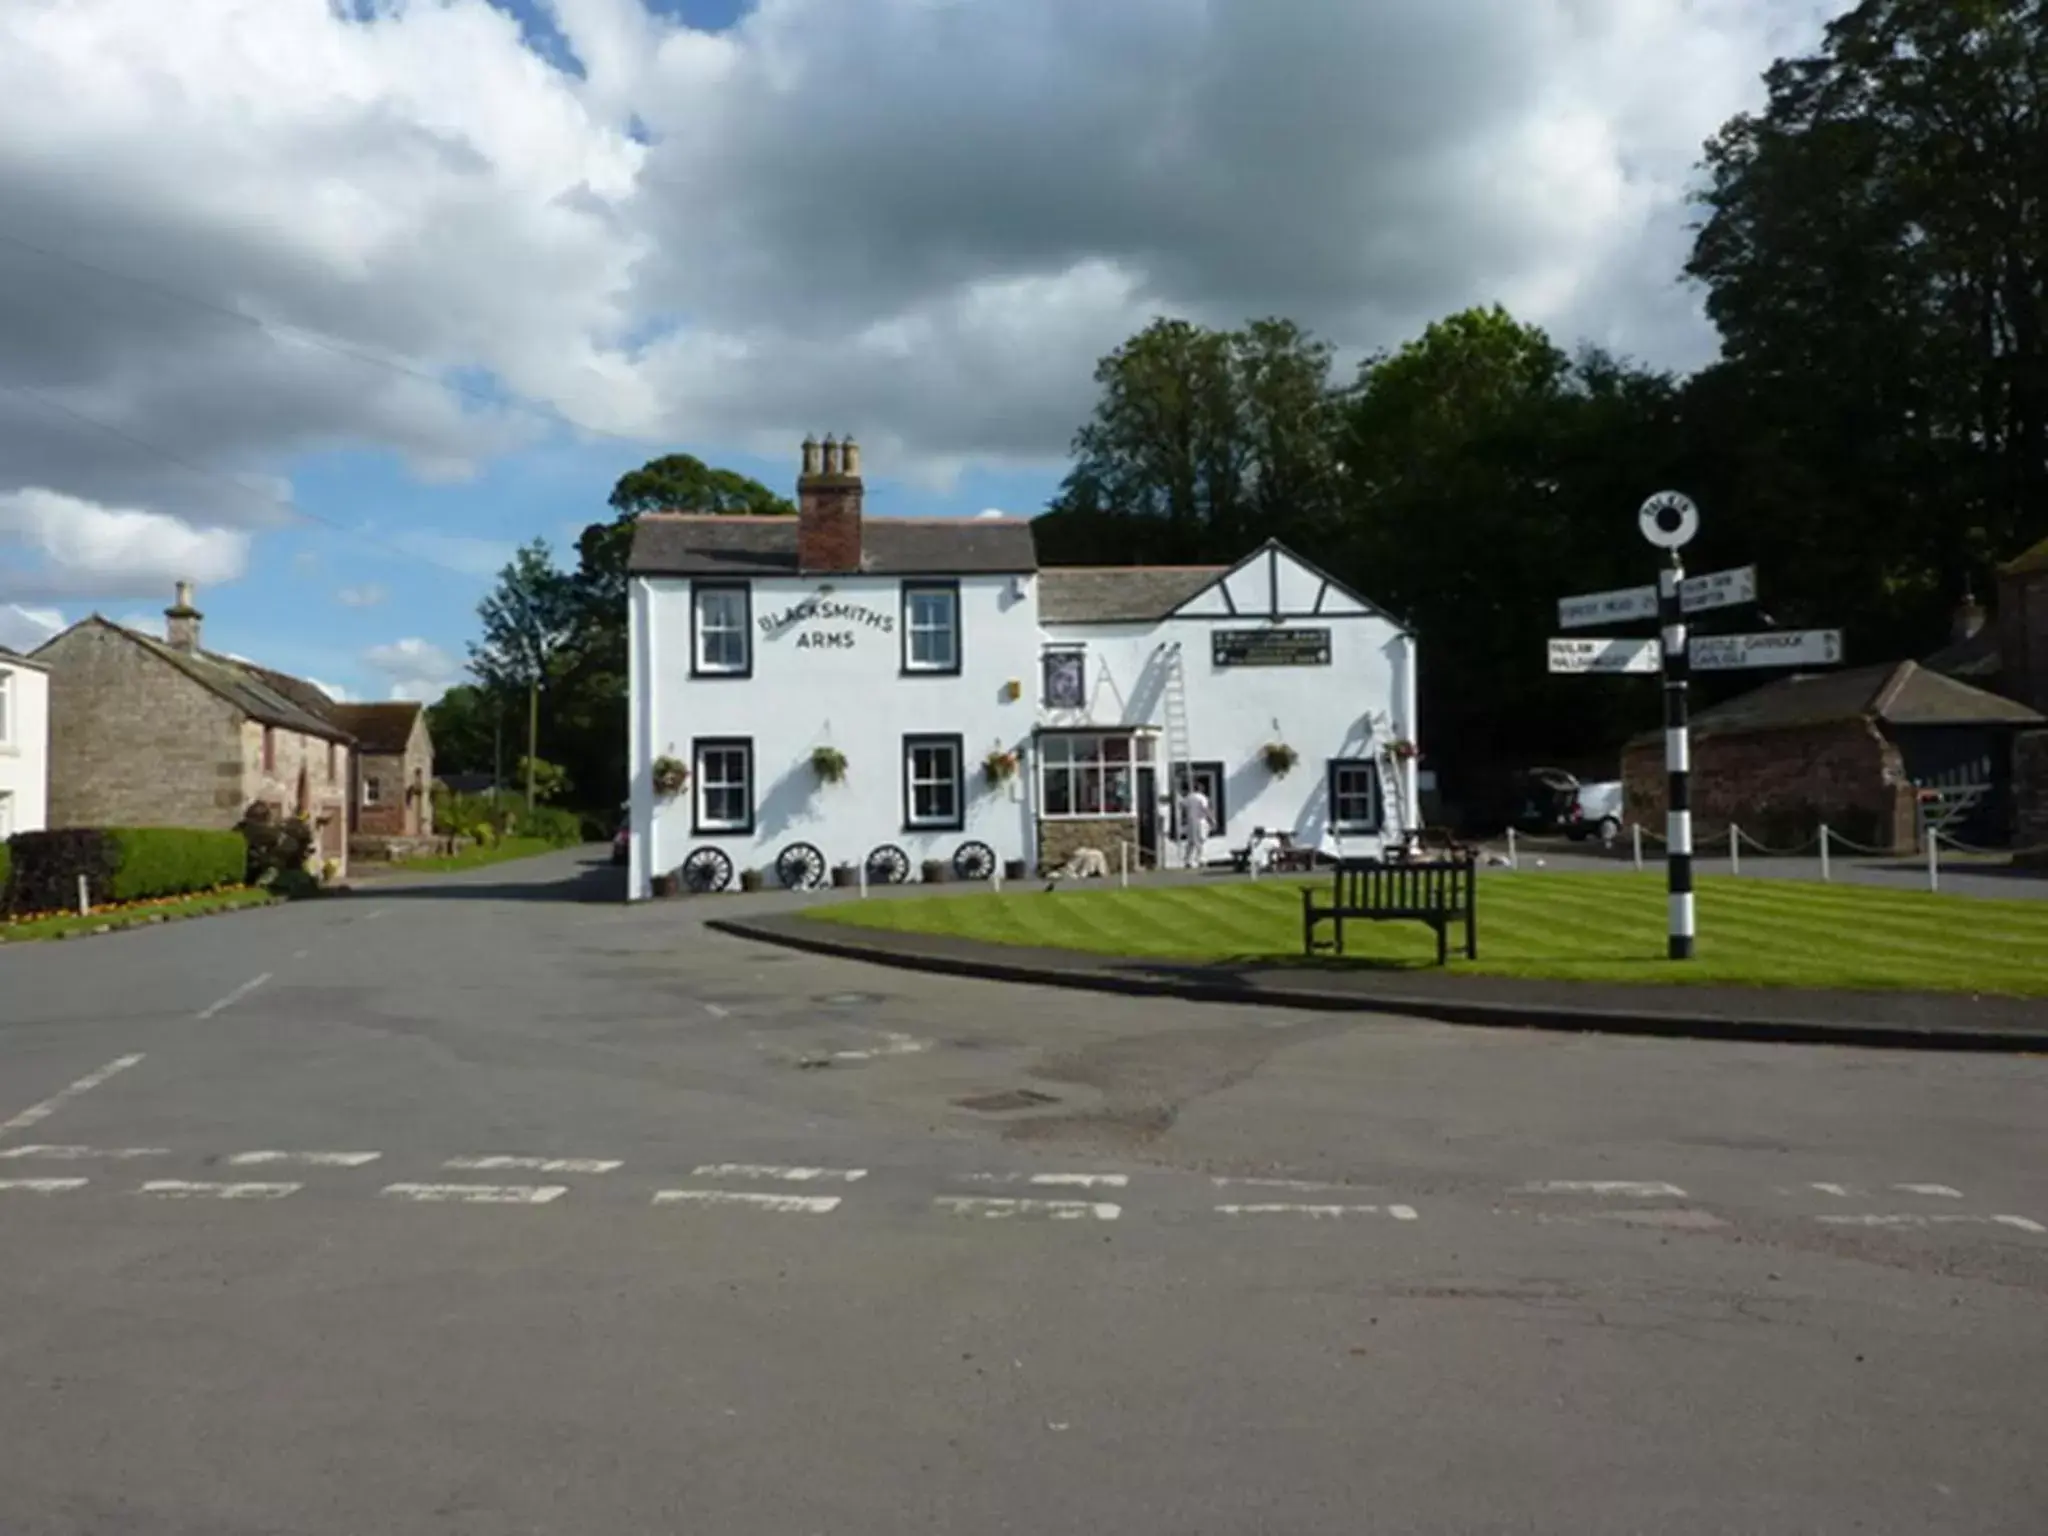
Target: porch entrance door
(1148, 816)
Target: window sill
(1088, 816)
(912, 828)
(718, 674)
(697, 829)
(929, 672)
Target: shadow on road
(595, 880)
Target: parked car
(1595, 812)
(1542, 799)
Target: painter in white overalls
(1196, 821)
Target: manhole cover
(850, 999)
(1006, 1101)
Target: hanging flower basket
(1279, 758)
(671, 777)
(999, 767)
(1401, 750)
(829, 764)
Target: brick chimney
(181, 621)
(828, 498)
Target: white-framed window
(934, 788)
(1088, 775)
(373, 789)
(1354, 795)
(724, 780)
(720, 645)
(931, 626)
(6, 707)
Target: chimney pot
(810, 460)
(831, 454)
(828, 532)
(849, 457)
(181, 620)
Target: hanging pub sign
(1270, 647)
(1066, 679)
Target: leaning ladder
(1180, 751)
(1393, 785)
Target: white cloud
(417, 669)
(338, 694)
(78, 548)
(23, 629)
(367, 596)
(921, 222)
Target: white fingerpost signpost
(1669, 521)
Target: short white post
(863, 879)
(1933, 860)
(1734, 849)
(1824, 876)
(1123, 865)
(995, 877)
(84, 898)
(1511, 847)
(1635, 829)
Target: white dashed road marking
(777, 1171)
(807, 1205)
(717, 1012)
(1645, 1190)
(996, 1208)
(476, 1194)
(896, 1045)
(188, 1189)
(1944, 1191)
(2021, 1223)
(233, 997)
(1318, 1212)
(306, 1159)
(83, 1154)
(1227, 1183)
(1056, 1180)
(502, 1162)
(36, 1113)
(41, 1186)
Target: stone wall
(2030, 799)
(1779, 786)
(405, 802)
(325, 766)
(1058, 840)
(134, 742)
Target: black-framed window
(1354, 795)
(934, 783)
(931, 626)
(721, 629)
(1065, 678)
(722, 783)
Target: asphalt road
(756, 1267)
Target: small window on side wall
(1354, 796)
(720, 644)
(931, 626)
(933, 789)
(724, 781)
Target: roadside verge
(1881, 1020)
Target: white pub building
(920, 698)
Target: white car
(1595, 812)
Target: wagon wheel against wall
(888, 865)
(974, 861)
(800, 867)
(707, 869)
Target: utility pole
(532, 733)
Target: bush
(170, 861)
(45, 867)
(491, 818)
(6, 868)
(274, 843)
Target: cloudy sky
(326, 304)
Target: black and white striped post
(1669, 520)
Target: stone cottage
(162, 732)
(392, 797)
(1853, 749)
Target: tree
(529, 618)
(464, 725)
(1876, 257)
(679, 482)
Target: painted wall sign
(1606, 655)
(1270, 647)
(826, 609)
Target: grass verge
(478, 858)
(136, 915)
(1552, 926)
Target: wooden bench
(1286, 857)
(1437, 892)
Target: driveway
(486, 1204)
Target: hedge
(6, 865)
(119, 864)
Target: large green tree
(1876, 257)
(680, 482)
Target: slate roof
(15, 658)
(2027, 563)
(385, 728)
(1091, 594)
(269, 698)
(699, 544)
(1897, 693)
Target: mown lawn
(1586, 927)
(136, 915)
(477, 858)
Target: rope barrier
(1995, 853)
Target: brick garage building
(1850, 749)
(149, 732)
(394, 775)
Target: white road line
(307, 1159)
(898, 1045)
(1317, 1212)
(1227, 1183)
(1943, 1190)
(717, 1012)
(2022, 1223)
(1642, 1190)
(777, 1171)
(501, 1161)
(476, 1194)
(82, 1154)
(1839, 1191)
(1055, 1180)
(41, 1186)
(996, 1208)
(806, 1205)
(56, 1101)
(189, 1189)
(234, 997)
